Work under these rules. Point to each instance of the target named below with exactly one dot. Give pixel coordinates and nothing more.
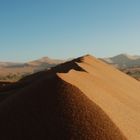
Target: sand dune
(116, 93)
(84, 99)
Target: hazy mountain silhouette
(124, 60)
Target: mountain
(124, 61)
(44, 63)
(83, 99)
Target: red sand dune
(84, 99)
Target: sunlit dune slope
(116, 93)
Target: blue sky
(30, 29)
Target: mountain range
(124, 61)
(11, 70)
(17, 69)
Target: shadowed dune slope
(84, 99)
(54, 109)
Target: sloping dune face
(55, 110)
(83, 99)
(116, 93)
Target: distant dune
(83, 99)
